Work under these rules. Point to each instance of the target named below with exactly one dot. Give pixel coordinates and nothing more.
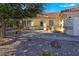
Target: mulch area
(8, 46)
(7, 41)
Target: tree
(21, 11)
(17, 11)
(33, 9)
(4, 16)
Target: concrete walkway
(49, 36)
(58, 36)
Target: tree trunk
(2, 30)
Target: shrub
(30, 47)
(46, 53)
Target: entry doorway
(41, 25)
(51, 25)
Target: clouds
(68, 5)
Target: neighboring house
(71, 21)
(46, 22)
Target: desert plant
(46, 53)
(30, 47)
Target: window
(51, 22)
(24, 22)
(28, 22)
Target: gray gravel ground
(41, 41)
(69, 45)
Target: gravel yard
(40, 43)
(63, 45)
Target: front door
(41, 25)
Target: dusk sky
(57, 7)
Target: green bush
(46, 53)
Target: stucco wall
(37, 21)
(72, 26)
(68, 25)
(76, 25)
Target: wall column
(45, 25)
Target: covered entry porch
(39, 24)
(44, 23)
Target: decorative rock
(10, 39)
(56, 44)
(57, 54)
(40, 45)
(25, 50)
(29, 44)
(13, 50)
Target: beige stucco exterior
(51, 22)
(35, 22)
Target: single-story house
(46, 22)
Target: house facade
(49, 22)
(66, 21)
